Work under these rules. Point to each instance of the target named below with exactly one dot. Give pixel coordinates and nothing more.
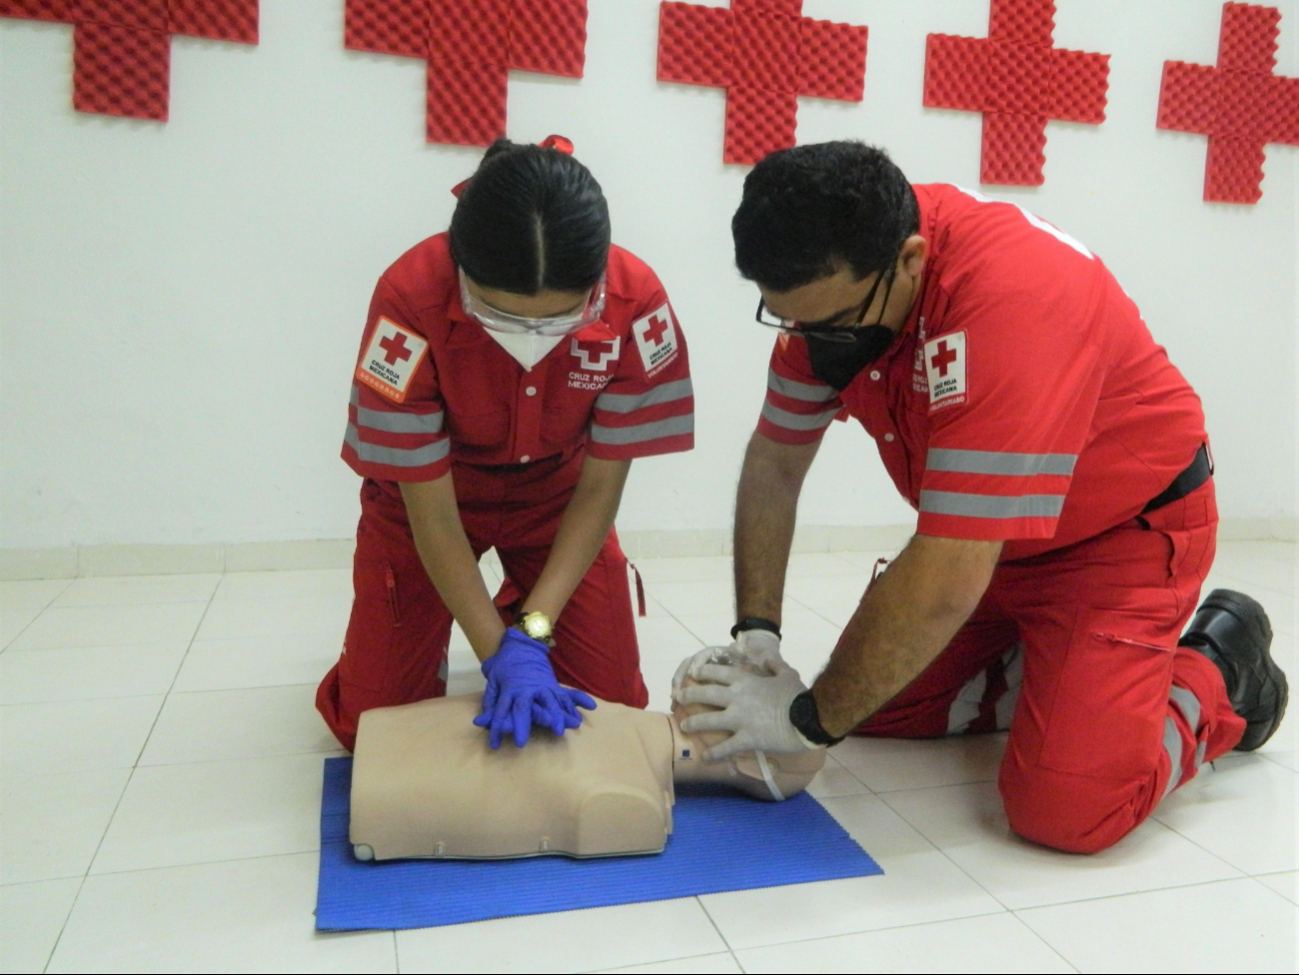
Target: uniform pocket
(479, 429)
(1107, 716)
(561, 427)
(376, 614)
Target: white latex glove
(761, 649)
(755, 709)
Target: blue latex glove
(522, 691)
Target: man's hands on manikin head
(753, 687)
(522, 691)
(758, 649)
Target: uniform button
(525, 458)
(531, 390)
(875, 375)
(889, 438)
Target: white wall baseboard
(130, 560)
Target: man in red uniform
(471, 438)
(1059, 465)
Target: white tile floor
(160, 762)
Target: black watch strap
(803, 716)
(754, 623)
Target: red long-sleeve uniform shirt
(432, 387)
(1025, 399)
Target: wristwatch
(536, 625)
(754, 623)
(805, 719)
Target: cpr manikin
(425, 784)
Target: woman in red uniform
(510, 371)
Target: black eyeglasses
(827, 330)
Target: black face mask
(837, 362)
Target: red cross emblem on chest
(765, 53)
(1240, 104)
(121, 49)
(471, 46)
(1019, 81)
(394, 347)
(943, 359)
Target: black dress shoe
(1233, 631)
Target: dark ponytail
(531, 219)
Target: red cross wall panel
(471, 46)
(121, 55)
(1019, 81)
(765, 53)
(1239, 104)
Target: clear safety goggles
(502, 321)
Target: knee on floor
(1075, 814)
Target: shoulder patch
(391, 359)
(656, 337)
(945, 369)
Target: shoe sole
(1250, 613)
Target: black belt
(1201, 470)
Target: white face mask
(527, 349)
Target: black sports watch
(804, 717)
(754, 623)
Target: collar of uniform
(463, 331)
(927, 221)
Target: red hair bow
(557, 142)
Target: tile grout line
(1080, 900)
(131, 775)
(816, 612)
(39, 614)
(919, 832)
(729, 950)
(1258, 879)
(1054, 950)
(880, 930)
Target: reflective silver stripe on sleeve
(425, 423)
(798, 421)
(991, 505)
(394, 456)
(673, 426)
(994, 462)
(629, 402)
(1173, 745)
(807, 392)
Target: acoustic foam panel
(766, 54)
(1239, 104)
(1019, 81)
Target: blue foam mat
(721, 841)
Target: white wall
(180, 304)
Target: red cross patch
(656, 337)
(945, 368)
(596, 356)
(390, 359)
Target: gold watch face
(537, 626)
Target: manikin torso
(425, 784)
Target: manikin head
(830, 234)
(770, 777)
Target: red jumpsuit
(1027, 402)
(434, 393)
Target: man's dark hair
(531, 219)
(809, 210)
